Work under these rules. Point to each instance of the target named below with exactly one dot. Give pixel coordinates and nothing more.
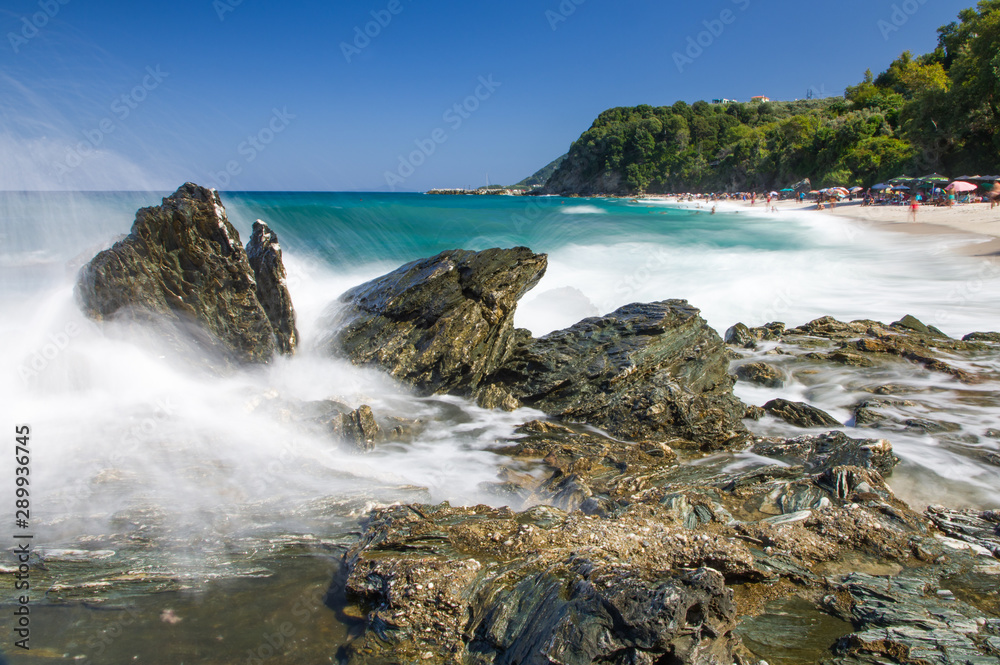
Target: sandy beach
(971, 219)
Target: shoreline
(974, 222)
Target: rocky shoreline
(637, 539)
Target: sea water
(212, 478)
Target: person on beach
(914, 205)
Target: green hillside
(936, 112)
(542, 176)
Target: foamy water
(123, 427)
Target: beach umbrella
(934, 177)
(968, 178)
(855, 190)
(900, 180)
(788, 189)
(879, 187)
(901, 187)
(960, 187)
(838, 191)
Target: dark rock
(645, 371)
(908, 620)
(739, 335)
(979, 528)
(182, 266)
(830, 449)
(800, 414)
(754, 412)
(587, 465)
(445, 325)
(769, 331)
(762, 374)
(264, 255)
(831, 328)
(358, 427)
(439, 324)
(478, 585)
(913, 324)
(982, 337)
(891, 389)
(851, 359)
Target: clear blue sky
(219, 81)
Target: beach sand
(969, 220)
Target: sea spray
(135, 435)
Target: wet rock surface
(645, 371)
(483, 585)
(905, 378)
(810, 525)
(800, 414)
(909, 619)
(829, 450)
(980, 528)
(646, 523)
(444, 325)
(439, 324)
(182, 269)
(264, 255)
(476, 585)
(762, 374)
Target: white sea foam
(120, 422)
(583, 210)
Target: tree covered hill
(542, 176)
(936, 112)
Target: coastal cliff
(886, 125)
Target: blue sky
(264, 95)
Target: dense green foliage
(542, 176)
(936, 112)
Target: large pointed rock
(264, 254)
(646, 371)
(440, 324)
(183, 267)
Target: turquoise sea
(200, 487)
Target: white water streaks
(128, 428)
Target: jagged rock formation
(264, 255)
(483, 585)
(440, 324)
(644, 371)
(445, 325)
(183, 268)
(603, 583)
(800, 414)
(761, 374)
